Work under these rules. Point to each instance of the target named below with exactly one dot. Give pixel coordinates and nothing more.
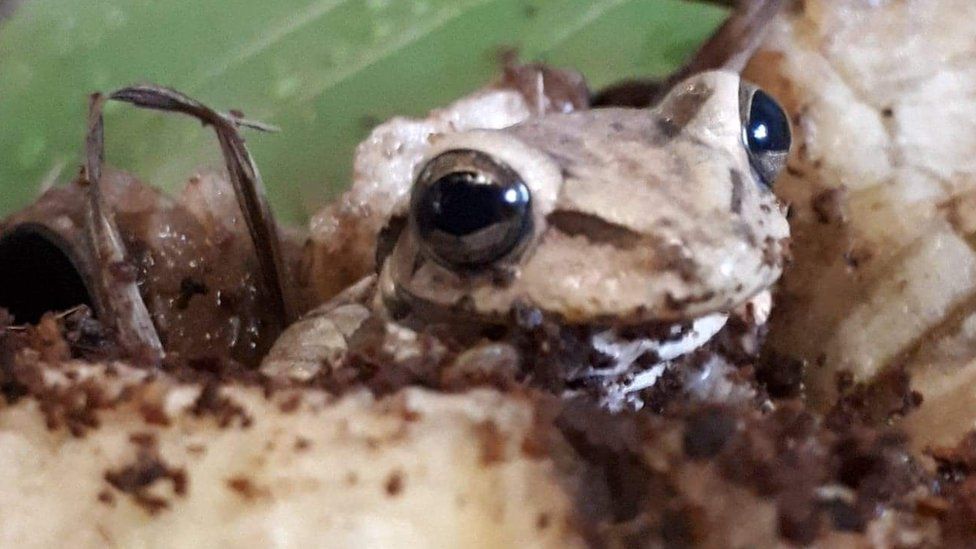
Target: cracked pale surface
(883, 94)
(316, 476)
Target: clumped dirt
(638, 478)
(817, 479)
(147, 470)
(26, 351)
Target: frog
(647, 238)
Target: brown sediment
(247, 489)
(636, 477)
(394, 484)
(26, 351)
(492, 443)
(829, 205)
(138, 478)
(889, 395)
(954, 503)
(816, 479)
(223, 409)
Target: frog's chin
(624, 352)
(636, 361)
(682, 340)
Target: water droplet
(115, 17)
(112, 107)
(30, 150)
(382, 29)
(101, 77)
(378, 5)
(420, 7)
(286, 86)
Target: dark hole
(36, 276)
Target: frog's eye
(765, 132)
(469, 210)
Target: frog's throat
(626, 377)
(624, 352)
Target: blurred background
(324, 71)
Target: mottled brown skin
(649, 219)
(639, 215)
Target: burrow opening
(38, 276)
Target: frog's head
(602, 216)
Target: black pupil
(467, 221)
(768, 129)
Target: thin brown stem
(119, 293)
(735, 41)
(729, 48)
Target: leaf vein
(274, 34)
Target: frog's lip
(677, 313)
(591, 270)
(522, 312)
(526, 316)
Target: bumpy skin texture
(639, 215)
(882, 185)
(342, 244)
(652, 219)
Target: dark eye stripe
(594, 228)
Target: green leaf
(325, 71)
